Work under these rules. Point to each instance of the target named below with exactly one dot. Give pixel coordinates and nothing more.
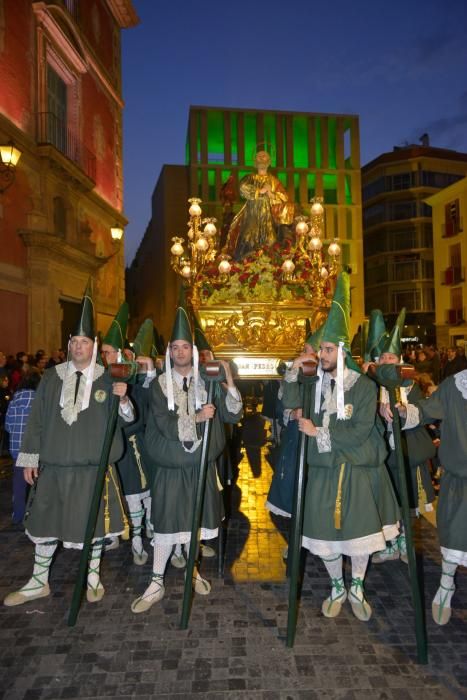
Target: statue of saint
(266, 209)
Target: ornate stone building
(61, 105)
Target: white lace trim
(187, 431)
(455, 556)
(70, 545)
(277, 511)
(361, 545)
(27, 460)
(233, 404)
(323, 440)
(182, 537)
(460, 380)
(413, 417)
(291, 375)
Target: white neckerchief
(67, 373)
(170, 372)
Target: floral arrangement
(257, 278)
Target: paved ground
(235, 644)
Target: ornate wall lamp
(9, 157)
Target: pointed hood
(359, 340)
(142, 344)
(393, 341)
(314, 339)
(85, 323)
(182, 328)
(337, 327)
(201, 341)
(377, 336)
(116, 335)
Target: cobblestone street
(235, 644)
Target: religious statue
(266, 209)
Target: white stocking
(359, 566)
(94, 564)
(446, 585)
(161, 557)
(43, 554)
(334, 568)
(136, 513)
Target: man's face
(389, 358)
(181, 353)
(328, 356)
(262, 159)
(2, 359)
(451, 354)
(205, 356)
(81, 350)
(109, 354)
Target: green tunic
(173, 441)
(67, 456)
(134, 467)
(449, 404)
(418, 448)
(350, 505)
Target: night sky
(401, 65)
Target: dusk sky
(400, 65)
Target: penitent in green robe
(350, 505)
(173, 441)
(449, 404)
(67, 457)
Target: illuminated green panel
(198, 138)
(300, 141)
(348, 189)
(234, 137)
(243, 173)
(330, 189)
(319, 157)
(332, 142)
(215, 137)
(270, 136)
(249, 121)
(212, 185)
(225, 174)
(296, 186)
(200, 183)
(282, 177)
(311, 185)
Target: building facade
(449, 207)
(398, 234)
(311, 154)
(61, 106)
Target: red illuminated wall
(13, 322)
(99, 135)
(16, 64)
(97, 25)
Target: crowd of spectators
(436, 363)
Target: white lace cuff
(413, 417)
(286, 415)
(27, 460)
(149, 377)
(323, 440)
(233, 400)
(125, 410)
(291, 375)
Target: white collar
(180, 377)
(460, 380)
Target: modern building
(61, 106)
(449, 207)
(312, 155)
(398, 235)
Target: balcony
(453, 275)
(454, 316)
(52, 131)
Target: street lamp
(9, 157)
(116, 232)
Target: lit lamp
(116, 232)
(309, 246)
(190, 257)
(9, 157)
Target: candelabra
(309, 247)
(201, 249)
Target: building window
(439, 180)
(59, 211)
(410, 298)
(452, 221)
(57, 108)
